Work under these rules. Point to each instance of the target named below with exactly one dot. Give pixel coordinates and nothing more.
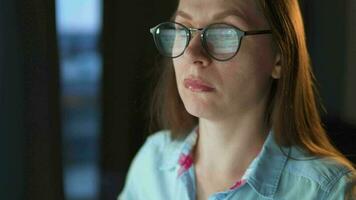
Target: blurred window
(79, 26)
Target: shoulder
(156, 142)
(320, 170)
(325, 175)
(158, 148)
(145, 174)
(155, 150)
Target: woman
(239, 107)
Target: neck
(228, 146)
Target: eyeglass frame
(191, 31)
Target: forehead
(204, 11)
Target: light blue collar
(175, 148)
(266, 169)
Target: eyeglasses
(220, 41)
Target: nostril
(198, 62)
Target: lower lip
(197, 86)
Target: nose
(195, 51)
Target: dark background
(31, 165)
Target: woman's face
(217, 90)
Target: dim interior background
(74, 89)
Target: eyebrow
(220, 15)
(182, 14)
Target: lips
(197, 85)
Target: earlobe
(276, 72)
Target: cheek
(258, 55)
(250, 71)
(179, 73)
(177, 70)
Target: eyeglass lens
(220, 41)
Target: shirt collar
(177, 147)
(265, 170)
(268, 167)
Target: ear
(276, 71)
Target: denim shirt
(163, 170)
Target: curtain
(11, 107)
(29, 90)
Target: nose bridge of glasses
(194, 31)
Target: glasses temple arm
(258, 32)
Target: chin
(198, 108)
(198, 104)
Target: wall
(350, 83)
